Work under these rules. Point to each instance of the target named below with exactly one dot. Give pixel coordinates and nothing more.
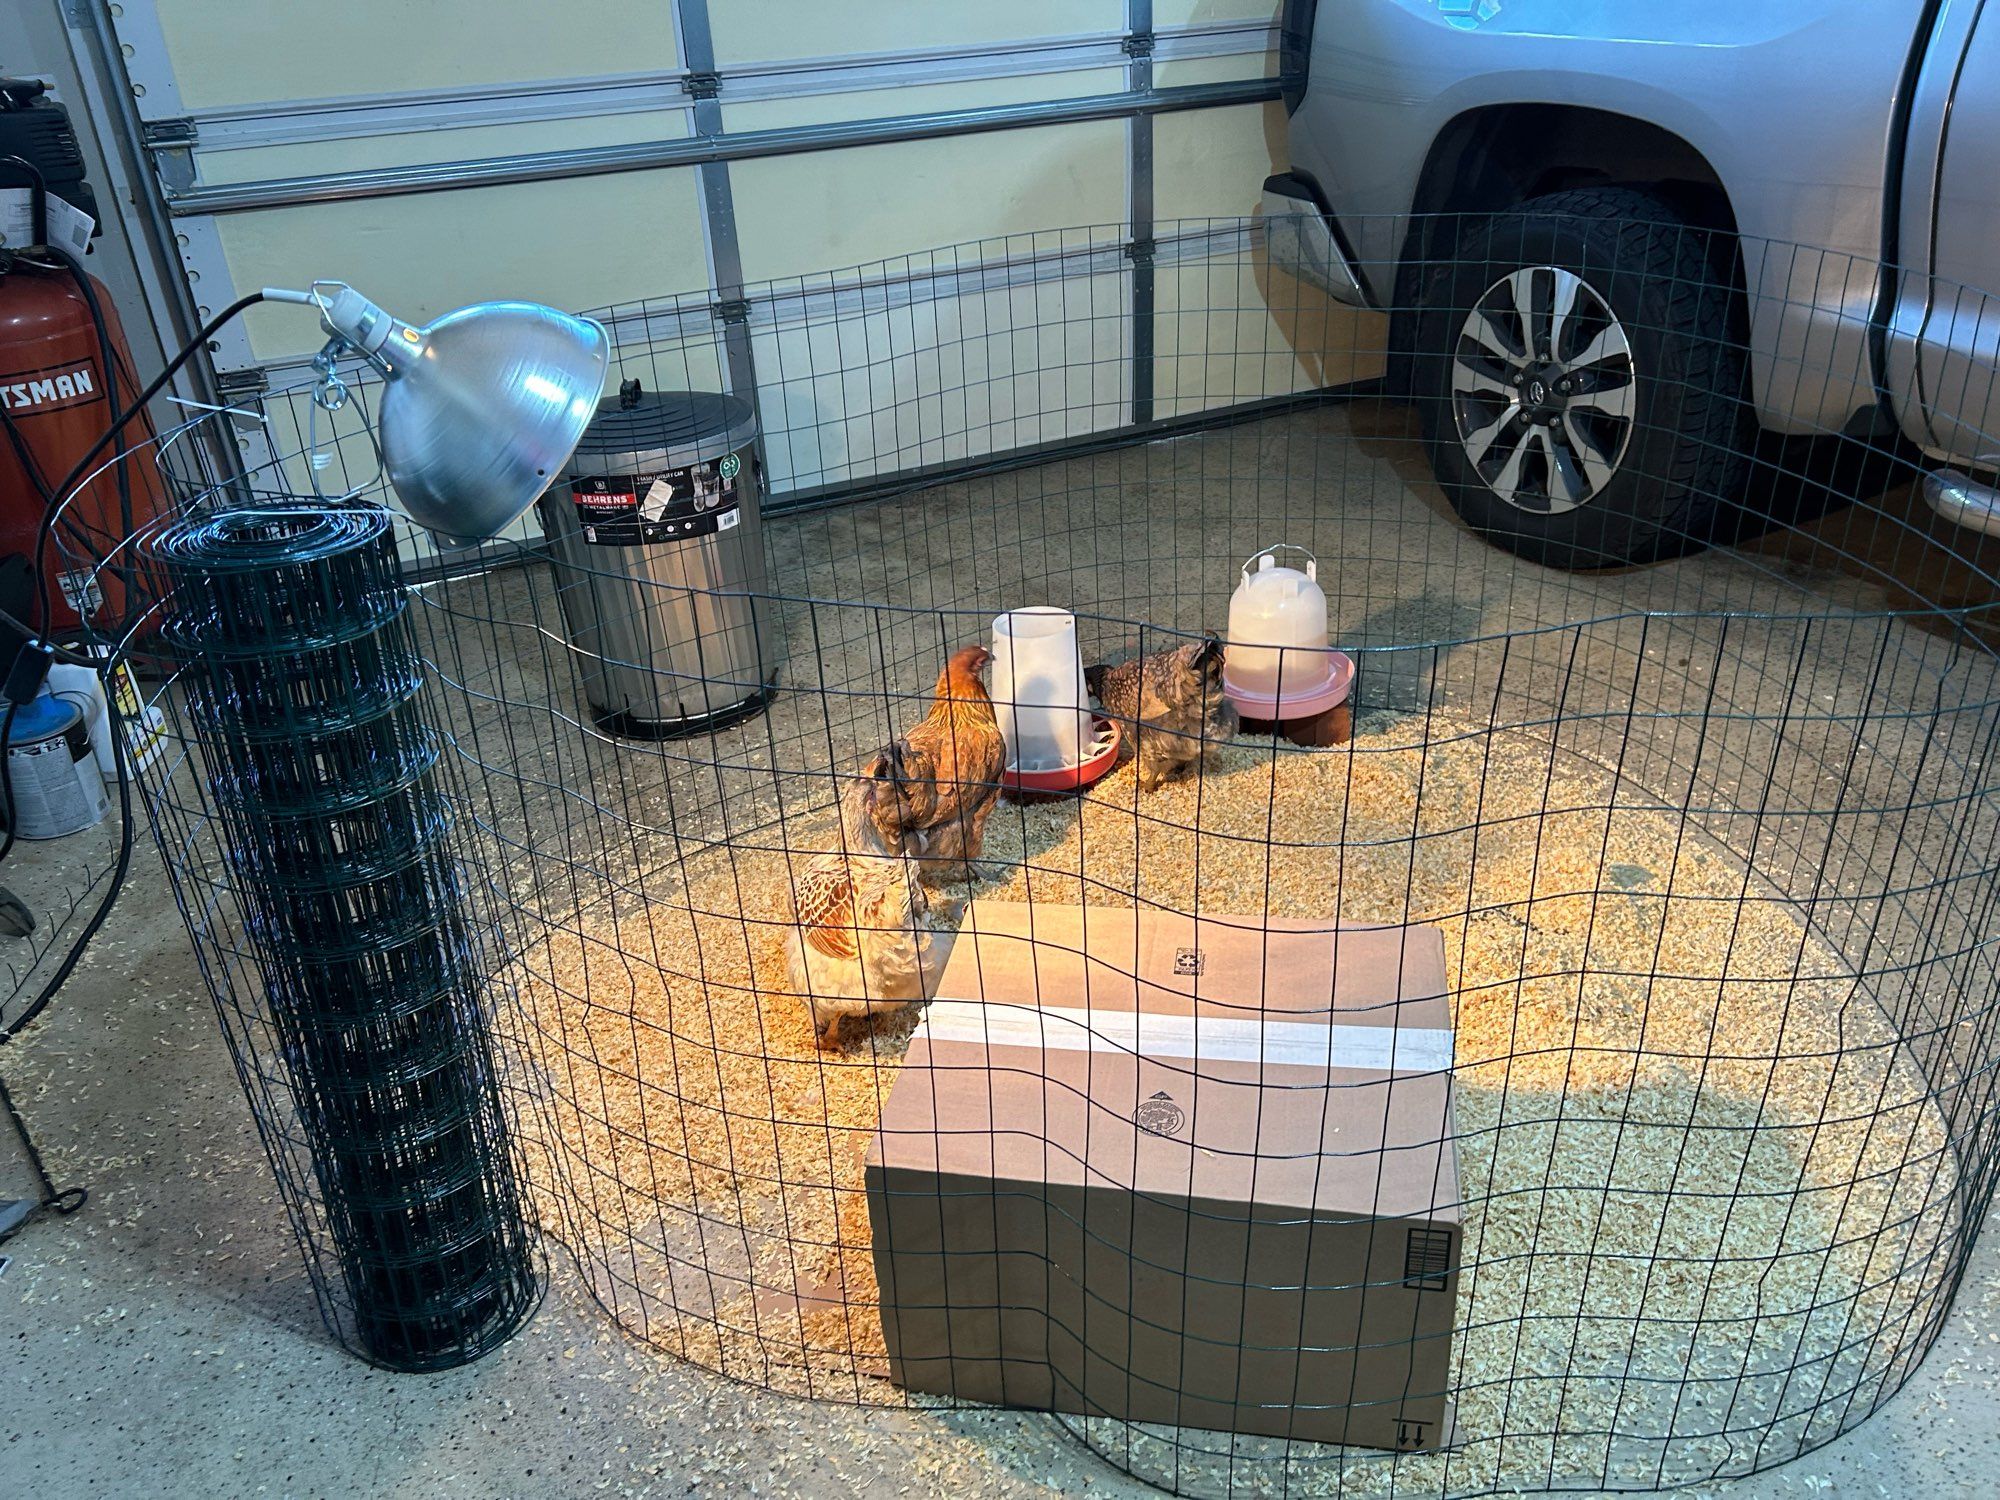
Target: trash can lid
(670, 428)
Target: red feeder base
(1065, 781)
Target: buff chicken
(859, 945)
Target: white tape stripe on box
(1304, 1044)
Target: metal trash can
(653, 533)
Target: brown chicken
(934, 788)
(1171, 707)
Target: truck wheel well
(1492, 158)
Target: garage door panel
(1214, 161)
(797, 215)
(585, 242)
(776, 30)
(237, 52)
(877, 390)
(422, 148)
(1022, 335)
(922, 98)
(1176, 72)
(1209, 12)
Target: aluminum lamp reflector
(480, 410)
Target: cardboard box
(1190, 1173)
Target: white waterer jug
(1038, 689)
(1277, 628)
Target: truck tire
(1581, 379)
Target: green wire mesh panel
(1705, 842)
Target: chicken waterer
(1279, 670)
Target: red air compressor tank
(56, 399)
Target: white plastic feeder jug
(1038, 689)
(1278, 665)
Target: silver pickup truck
(1817, 182)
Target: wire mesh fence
(1577, 1075)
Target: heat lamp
(479, 410)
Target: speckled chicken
(1170, 706)
(861, 946)
(935, 787)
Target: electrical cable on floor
(63, 1200)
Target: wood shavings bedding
(1702, 1208)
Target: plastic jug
(1277, 627)
(1038, 689)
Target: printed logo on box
(1160, 1115)
(1190, 961)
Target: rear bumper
(1300, 240)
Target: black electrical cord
(114, 722)
(73, 529)
(7, 780)
(55, 499)
(114, 728)
(63, 1201)
(65, 488)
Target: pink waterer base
(1296, 705)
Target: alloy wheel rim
(1542, 390)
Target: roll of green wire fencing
(302, 688)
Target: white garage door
(593, 153)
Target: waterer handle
(1269, 556)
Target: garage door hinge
(171, 144)
(235, 385)
(731, 310)
(1139, 44)
(702, 85)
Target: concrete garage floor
(164, 1341)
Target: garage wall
(599, 155)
